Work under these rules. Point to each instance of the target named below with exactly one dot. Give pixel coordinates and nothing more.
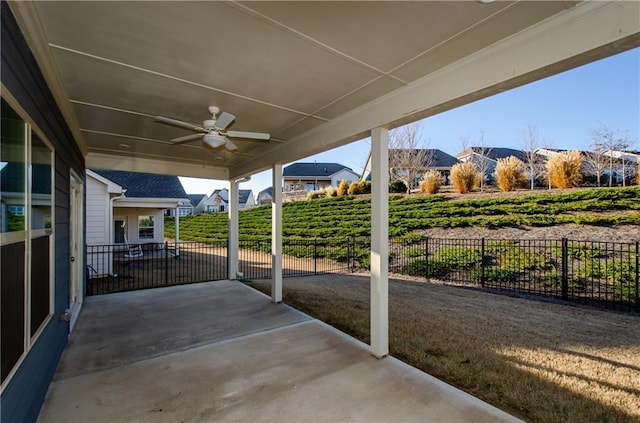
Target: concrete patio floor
(220, 351)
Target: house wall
(132, 214)
(200, 207)
(98, 223)
(98, 232)
(306, 184)
(346, 175)
(264, 198)
(23, 394)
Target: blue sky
(564, 108)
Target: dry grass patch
(540, 361)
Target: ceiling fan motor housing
(209, 124)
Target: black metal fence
(300, 257)
(114, 268)
(603, 274)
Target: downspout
(111, 230)
(177, 230)
(111, 201)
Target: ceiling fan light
(213, 140)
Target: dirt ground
(539, 360)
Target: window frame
(28, 234)
(151, 218)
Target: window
(26, 229)
(16, 210)
(145, 227)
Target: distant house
(314, 176)
(198, 202)
(490, 156)
(265, 196)
(218, 201)
(630, 156)
(623, 162)
(434, 159)
(128, 206)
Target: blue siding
(22, 398)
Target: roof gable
(244, 195)
(196, 199)
(315, 169)
(145, 185)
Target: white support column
(177, 227)
(276, 234)
(379, 242)
(233, 244)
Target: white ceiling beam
(161, 167)
(583, 34)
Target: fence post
(315, 256)
(482, 264)
(353, 256)
(166, 263)
(565, 269)
(637, 272)
(426, 258)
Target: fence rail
(602, 274)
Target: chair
(133, 251)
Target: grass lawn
(540, 361)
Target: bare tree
(596, 161)
(612, 142)
(623, 143)
(407, 158)
(464, 143)
(532, 161)
(482, 162)
(545, 161)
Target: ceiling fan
(213, 131)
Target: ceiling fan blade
(250, 135)
(178, 123)
(186, 138)
(224, 120)
(231, 146)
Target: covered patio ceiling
(315, 75)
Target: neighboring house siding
(22, 398)
(131, 215)
(98, 223)
(345, 174)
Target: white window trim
(28, 234)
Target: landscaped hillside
(349, 216)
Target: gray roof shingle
(440, 158)
(195, 199)
(302, 169)
(145, 185)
